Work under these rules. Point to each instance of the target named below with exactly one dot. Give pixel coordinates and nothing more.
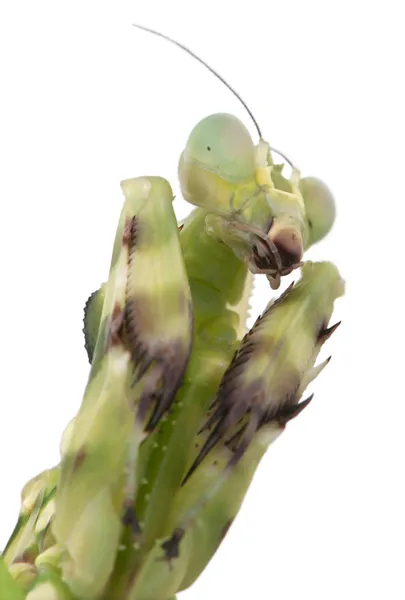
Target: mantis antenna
(200, 60)
(230, 88)
(287, 160)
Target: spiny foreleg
(259, 393)
(141, 352)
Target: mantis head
(222, 171)
(265, 218)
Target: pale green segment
(50, 587)
(217, 279)
(36, 511)
(9, 588)
(50, 559)
(92, 478)
(23, 573)
(286, 337)
(210, 524)
(157, 279)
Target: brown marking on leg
(128, 233)
(162, 364)
(171, 546)
(29, 555)
(79, 458)
(116, 326)
(129, 519)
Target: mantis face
(265, 218)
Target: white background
(86, 101)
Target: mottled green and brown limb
(137, 365)
(259, 393)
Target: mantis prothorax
(182, 401)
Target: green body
(182, 401)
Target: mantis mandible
(182, 400)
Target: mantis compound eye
(319, 207)
(221, 143)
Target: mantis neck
(220, 283)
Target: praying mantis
(182, 401)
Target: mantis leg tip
(290, 412)
(325, 333)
